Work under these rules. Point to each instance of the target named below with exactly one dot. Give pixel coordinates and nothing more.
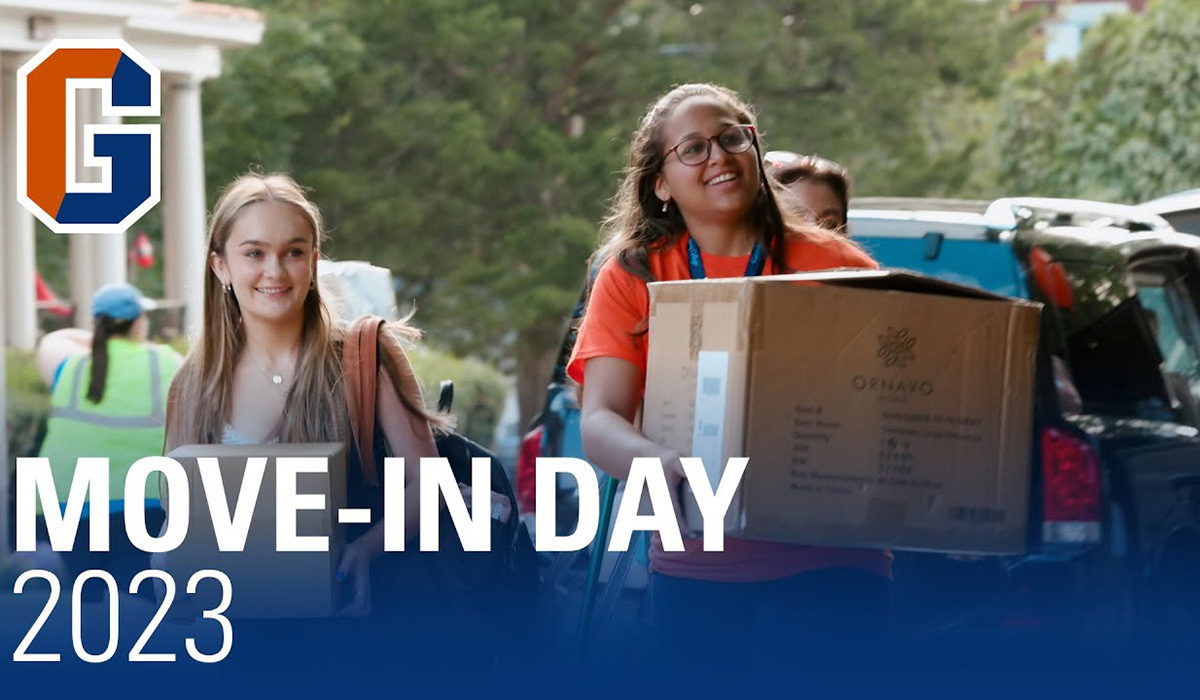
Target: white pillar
(7, 109)
(108, 249)
(4, 479)
(96, 259)
(81, 249)
(184, 236)
(79, 276)
(16, 225)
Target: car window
(1100, 331)
(1187, 220)
(1171, 313)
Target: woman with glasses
(694, 203)
(820, 187)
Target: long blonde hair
(314, 410)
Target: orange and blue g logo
(127, 155)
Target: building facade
(184, 40)
(1068, 20)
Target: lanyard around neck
(754, 266)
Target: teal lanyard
(754, 266)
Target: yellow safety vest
(125, 426)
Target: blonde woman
(268, 364)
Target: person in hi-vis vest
(108, 397)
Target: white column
(96, 259)
(5, 195)
(16, 225)
(79, 276)
(108, 250)
(81, 250)
(184, 237)
(4, 485)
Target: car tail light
(531, 449)
(1071, 498)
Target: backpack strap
(360, 368)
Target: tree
(1033, 110)
(472, 146)
(445, 141)
(1126, 117)
(899, 92)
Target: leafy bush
(479, 390)
(28, 406)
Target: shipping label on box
(872, 417)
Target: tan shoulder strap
(360, 367)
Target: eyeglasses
(734, 139)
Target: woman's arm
(610, 439)
(58, 346)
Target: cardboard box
(877, 408)
(266, 583)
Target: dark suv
(1114, 532)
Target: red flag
(143, 251)
(48, 299)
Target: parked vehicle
(1114, 523)
(1181, 209)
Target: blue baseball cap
(121, 302)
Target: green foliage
(53, 258)
(472, 146)
(258, 113)
(1033, 110)
(178, 344)
(479, 390)
(1123, 123)
(896, 93)
(28, 405)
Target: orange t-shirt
(614, 326)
